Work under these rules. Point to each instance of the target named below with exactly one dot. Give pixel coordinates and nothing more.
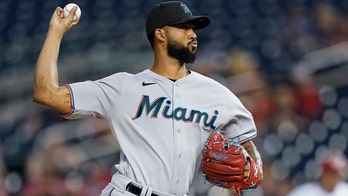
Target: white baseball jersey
(161, 125)
(314, 189)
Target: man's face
(184, 51)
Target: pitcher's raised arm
(47, 90)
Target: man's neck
(169, 68)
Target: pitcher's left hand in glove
(225, 162)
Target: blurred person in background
(41, 178)
(331, 180)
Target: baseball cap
(335, 162)
(172, 13)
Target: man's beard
(180, 52)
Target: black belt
(132, 188)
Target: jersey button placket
(177, 95)
(179, 131)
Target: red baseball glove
(224, 163)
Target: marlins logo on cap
(185, 8)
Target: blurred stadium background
(286, 60)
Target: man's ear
(159, 34)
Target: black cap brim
(199, 22)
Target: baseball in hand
(67, 9)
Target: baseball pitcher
(170, 121)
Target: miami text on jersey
(163, 105)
